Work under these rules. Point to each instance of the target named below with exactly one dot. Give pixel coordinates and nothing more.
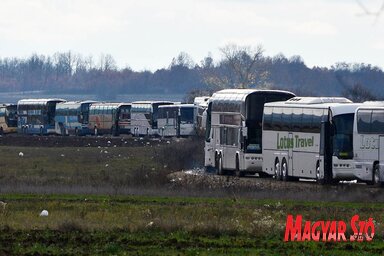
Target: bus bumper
(343, 169)
(253, 163)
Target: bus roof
(373, 104)
(239, 95)
(317, 100)
(177, 106)
(77, 102)
(336, 108)
(38, 101)
(151, 102)
(112, 104)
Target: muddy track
(261, 188)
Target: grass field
(163, 225)
(120, 200)
(106, 170)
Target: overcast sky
(147, 34)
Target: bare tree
(237, 69)
(358, 93)
(369, 12)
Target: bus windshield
(343, 136)
(186, 115)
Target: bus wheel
(238, 173)
(41, 131)
(1, 131)
(219, 167)
(76, 131)
(376, 176)
(277, 170)
(284, 171)
(318, 180)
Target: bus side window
(297, 115)
(276, 119)
(377, 124)
(318, 116)
(364, 121)
(286, 119)
(267, 125)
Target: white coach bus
(144, 117)
(368, 141)
(176, 120)
(309, 137)
(233, 129)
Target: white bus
(176, 120)
(368, 142)
(199, 114)
(72, 117)
(37, 116)
(233, 129)
(144, 117)
(309, 137)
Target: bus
(72, 117)
(36, 116)
(109, 118)
(8, 118)
(233, 129)
(309, 137)
(176, 120)
(368, 142)
(199, 114)
(144, 117)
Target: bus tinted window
(267, 118)
(377, 125)
(364, 121)
(186, 115)
(286, 119)
(343, 133)
(318, 116)
(306, 120)
(297, 116)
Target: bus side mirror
(245, 132)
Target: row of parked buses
(276, 134)
(141, 118)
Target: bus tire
(277, 170)
(318, 180)
(219, 167)
(1, 131)
(284, 170)
(41, 131)
(376, 176)
(76, 131)
(238, 173)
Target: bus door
(326, 152)
(290, 155)
(381, 157)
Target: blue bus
(72, 117)
(36, 116)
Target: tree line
(238, 67)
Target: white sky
(147, 34)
